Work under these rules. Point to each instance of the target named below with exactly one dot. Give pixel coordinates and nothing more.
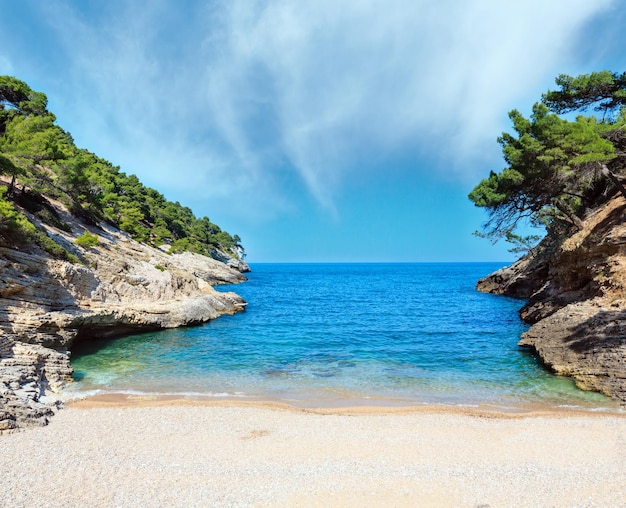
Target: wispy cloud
(385, 75)
(257, 96)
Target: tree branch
(573, 219)
(611, 176)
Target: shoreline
(122, 400)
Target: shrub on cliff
(16, 229)
(87, 239)
(12, 223)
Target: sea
(332, 335)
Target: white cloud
(252, 94)
(346, 80)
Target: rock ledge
(576, 301)
(120, 287)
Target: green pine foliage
(37, 155)
(558, 168)
(16, 229)
(604, 90)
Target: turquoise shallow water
(342, 334)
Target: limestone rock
(30, 375)
(577, 301)
(586, 341)
(121, 287)
(235, 263)
(520, 280)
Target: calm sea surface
(343, 334)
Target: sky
(319, 130)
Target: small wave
(73, 395)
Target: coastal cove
(341, 335)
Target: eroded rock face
(586, 341)
(520, 280)
(121, 287)
(577, 302)
(28, 374)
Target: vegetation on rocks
(559, 168)
(38, 158)
(87, 239)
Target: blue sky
(316, 130)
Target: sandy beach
(178, 453)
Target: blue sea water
(343, 334)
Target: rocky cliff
(119, 287)
(576, 301)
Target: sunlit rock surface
(120, 287)
(576, 301)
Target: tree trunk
(11, 187)
(614, 180)
(573, 219)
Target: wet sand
(116, 451)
